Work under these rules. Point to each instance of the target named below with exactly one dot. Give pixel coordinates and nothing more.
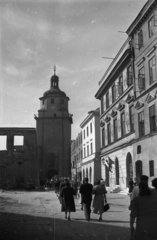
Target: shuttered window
(152, 69)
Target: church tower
(53, 126)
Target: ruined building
(29, 154)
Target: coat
(68, 203)
(86, 192)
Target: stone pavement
(37, 216)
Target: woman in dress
(144, 210)
(99, 192)
(68, 205)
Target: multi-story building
(117, 119)
(76, 158)
(73, 160)
(143, 35)
(91, 166)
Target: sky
(74, 35)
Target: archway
(117, 170)
(107, 176)
(51, 173)
(138, 166)
(129, 168)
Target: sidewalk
(37, 215)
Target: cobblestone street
(37, 215)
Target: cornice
(147, 8)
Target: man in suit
(86, 192)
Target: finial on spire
(54, 70)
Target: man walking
(86, 192)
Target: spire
(54, 70)
(54, 80)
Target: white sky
(72, 34)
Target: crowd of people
(67, 191)
(143, 203)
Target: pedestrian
(86, 191)
(131, 185)
(154, 184)
(75, 186)
(99, 192)
(135, 190)
(68, 205)
(144, 210)
(81, 195)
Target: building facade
(91, 166)
(117, 119)
(143, 35)
(53, 126)
(76, 158)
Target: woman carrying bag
(99, 192)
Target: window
(84, 152)
(103, 137)
(123, 124)
(91, 147)
(152, 118)
(107, 100)
(62, 101)
(138, 149)
(151, 168)
(102, 104)
(120, 85)
(129, 76)
(3, 142)
(131, 110)
(84, 134)
(150, 27)
(113, 93)
(109, 133)
(52, 100)
(115, 129)
(43, 101)
(87, 132)
(140, 39)
(141, 79)
(152, 70)
(18, 140)
(90, 127)
(141, 123)
(87, 150)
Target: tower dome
(54, 86)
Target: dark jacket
(86, 192)
(68, 203)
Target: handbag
(106, 207)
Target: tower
(53, 126)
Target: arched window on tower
(62, 101)
(52, 100)
(138, 149)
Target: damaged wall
(18, 157)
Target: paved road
(37, 216)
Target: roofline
(90, 115)
(16, 128)
(115, 59)
(126, 56)
(140, 15)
